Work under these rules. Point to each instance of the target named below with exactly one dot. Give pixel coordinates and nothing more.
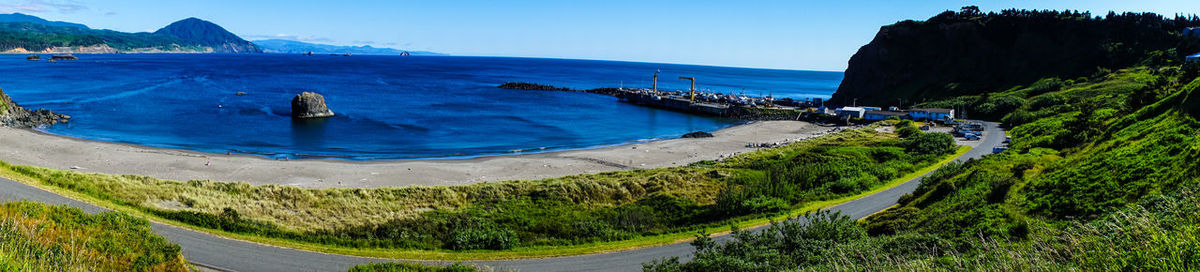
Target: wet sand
(29, 147)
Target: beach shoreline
(32, 147)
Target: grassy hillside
(37, 237)
(1101, 175)
(969, 52)
(35, 37)
(572, 210)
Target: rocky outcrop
(310, 105)
(969, 52)
(697, 134)
(64, 57)
(13, 115)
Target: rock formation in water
(13, 115)
(310, 105)
(64, 57)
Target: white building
(931, 114)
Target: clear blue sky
(787, 34)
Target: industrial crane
(693, 90)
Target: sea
(388, 107)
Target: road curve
(213, 252)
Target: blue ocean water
(388, 107)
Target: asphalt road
(216, 253)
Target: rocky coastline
(13, 115)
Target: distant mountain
(20, 33)
(25, 18)
(287, 46)
(208, 34)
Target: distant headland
(27, 34)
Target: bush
(482, 237)
(930, 143)
(907, 132)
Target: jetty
(734, 106)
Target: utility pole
(655, 86)
(693, 90)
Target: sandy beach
(29, 147)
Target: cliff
(969, 52)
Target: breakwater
(728, 106)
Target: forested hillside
(970, 52)
(189, 35)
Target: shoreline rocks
(310, 105)
(13, 115)
(697, 134)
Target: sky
(786, 34)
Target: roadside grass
(701, 183)
(39, 237)
(409, 267)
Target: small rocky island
(310, 105)
(13, 115)
(64, 57)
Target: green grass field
(39, 237)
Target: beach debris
(698, 134)
(310, 105)
(76, 167)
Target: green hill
(970, 52)
(189, 35)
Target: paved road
(219, 253)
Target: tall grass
(572, 210)
(38, 237)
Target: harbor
(728, 105)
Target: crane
(693, 90)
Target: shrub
(907, 132)
(930, 143)
(482, 237)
